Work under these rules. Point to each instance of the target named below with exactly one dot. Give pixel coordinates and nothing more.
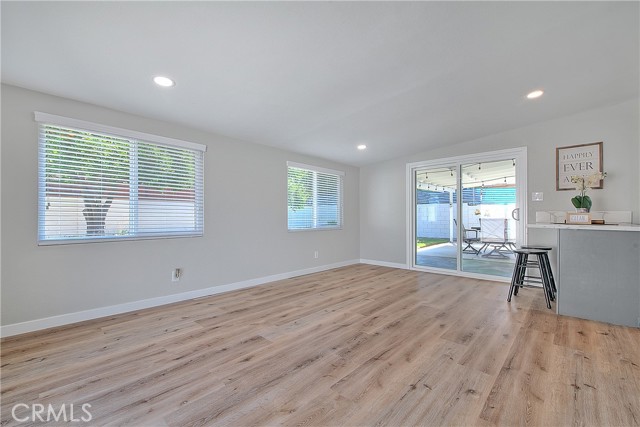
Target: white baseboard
(95, 313)
(384, 263)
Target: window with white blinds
(314, 197)
(99, 183)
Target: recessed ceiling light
(535, 94)
(362, 147)
(163, 81)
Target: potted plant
(582, 202)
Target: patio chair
(469, 237)
(494, 234)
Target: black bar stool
(520, 276)
(547, 265)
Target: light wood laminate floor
(354, 346)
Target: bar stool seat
(520, 279)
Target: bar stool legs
(547, 265)
(521, 279)
(516, 277)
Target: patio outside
(489, 236)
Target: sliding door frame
(518, 154)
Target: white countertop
(603, 227)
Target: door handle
(515, 214)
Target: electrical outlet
(176, 274)
(537, 196)
(315, 254)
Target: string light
(514, 163)
(479, 166)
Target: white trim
(384, 264)
(520, 156)
(462, 274)
(437, 271)
(95, 313)
(127, 133)
(410, 217)
(466, 158)
(521, 196)
(58, 242)
(315, 168)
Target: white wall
(383, 192)
(240, 242)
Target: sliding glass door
(435, 217)
(490, 211)
(466, 213)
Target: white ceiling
(321, 77)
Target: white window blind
(314, 197)
(97, 186)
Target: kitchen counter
(593, 227)
(598, 271)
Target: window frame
(316, 169)
(133, 137)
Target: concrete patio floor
(444, 256)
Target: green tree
(98, 168)
(299, 188)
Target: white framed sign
(577, 160)
(578, 218)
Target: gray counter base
(599, 275)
